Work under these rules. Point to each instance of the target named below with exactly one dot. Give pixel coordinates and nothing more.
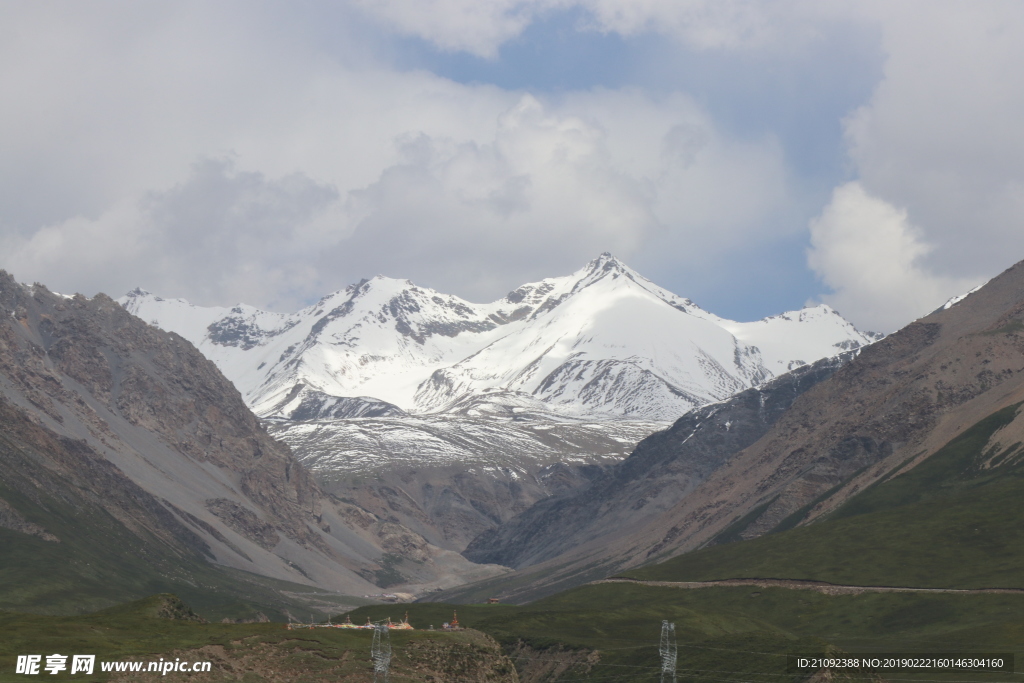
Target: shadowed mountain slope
(125, 440)
(954, 521)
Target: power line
(381, 654)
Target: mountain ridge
(603, 341)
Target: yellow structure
(403, 626)
(453, 625)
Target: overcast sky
(753, 156)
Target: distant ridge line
(818, 586)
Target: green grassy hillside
(947, 523)
(731, 633)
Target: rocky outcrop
(169, 606)
(475, 656)
(245, 522)
(11, 519)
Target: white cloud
(466, 187)
(103, 102)
(601, 171)
(107, 105)
(221, 236)
(703, 24)
(544, 189)
(940, 138)
(941, 134)
(873, 258)
(535, 190)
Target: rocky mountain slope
(133, 431)
(954, 521)
(900, 401)
(602, 342)
(665, 468)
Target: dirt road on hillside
(818, 586)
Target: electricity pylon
(380, 652)
(667, 650)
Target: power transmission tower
(380, 652)
(667, 650)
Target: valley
(862, 502)
(451, 418)
(451, 478)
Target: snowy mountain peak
(606, 266)
(603, 277)
(606, 262)
(601, 342)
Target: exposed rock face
(105, 412)
(664, 468)
(245, 522)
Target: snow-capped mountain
(603, 342)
